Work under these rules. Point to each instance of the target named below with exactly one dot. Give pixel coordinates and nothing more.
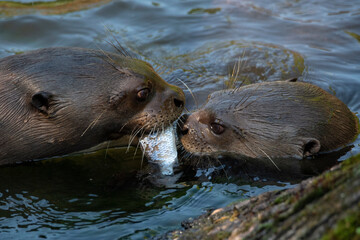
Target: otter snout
(179, 102)
(193, 133)
(190, 123)
(183, 128)
(176, 98)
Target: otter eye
(217, 128)
(142, 94)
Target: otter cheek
(202, 138)
(189, 138)
(189, 143)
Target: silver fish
(160, 148)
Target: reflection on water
(92, 196)
(198, 42)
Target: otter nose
(177, 96)
(178, 103)
(183, 126)
(184, 130)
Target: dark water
(197, 42)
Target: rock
(323, 207)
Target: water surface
(198, 42)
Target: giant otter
(279, 119)
(56, 101)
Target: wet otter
(57, 101)
(279, 119)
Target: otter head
(112, 100)
(143, 99)
(252, 122)
(63, 100)
(211, 130)
(207, 132)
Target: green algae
(281, 199)
(312, 196)
(354, 35)
(299, 63)
(33, 4)
(10, 9)
(222, 235)
(204, 10)
(346, 228)
(156, 4)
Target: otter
(56, 101)
(280, 119)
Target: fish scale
(160, 148)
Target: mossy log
(323, 207)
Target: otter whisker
(119, 48)
(255, 100)
(246, 96)
(179, 122)
(143, 152)
(105, 57)
(234, 74)
(269, 158)
(250, 150)
(132, 137)
(107, 148)
(116, 48)
(223, 167)
(233, 70)
(186, 110)
(123, 126)
(244, 64)
(236, 71)
(241, 100)
(153, 129)
(141, 136)
(142, 159)
(99, 55)
(191, 92)
(138, 144)
(93, 123)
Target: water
(93, 197)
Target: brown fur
(270, 120)
(57, 101)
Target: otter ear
(311, 147)
(41, 100)
(291, 79)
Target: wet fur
(271, 120)
(57, 101)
